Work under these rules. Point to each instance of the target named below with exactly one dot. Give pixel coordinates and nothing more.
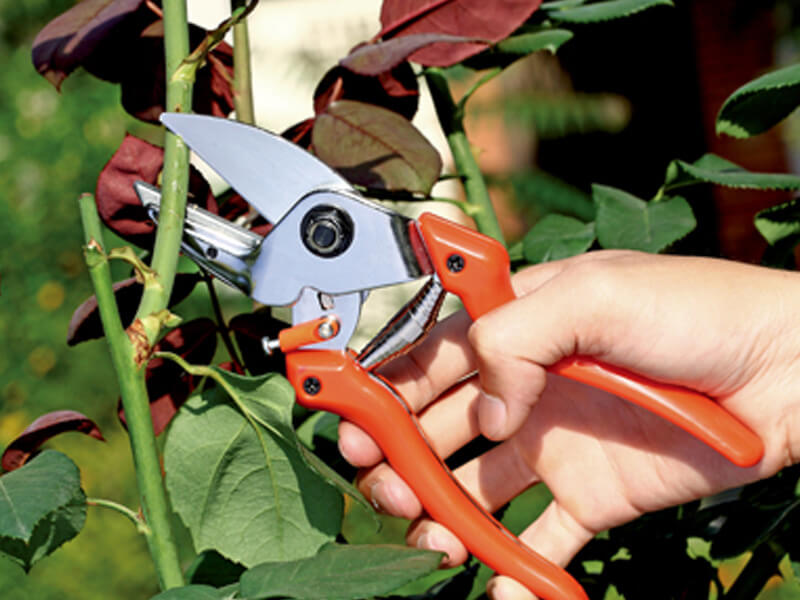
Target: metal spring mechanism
(405, 328)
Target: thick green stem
(451, 118)
(136, 404)
(242, 77)
(175, 176)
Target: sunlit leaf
(711, 168)
(41, 507)
(377, 58)
(19, 451)
(571, 12)
(556, 237)
(779, 222)
(488, 21)
(340, 572)
(519, 46)
(198, 592)
(375, 147)
(238, 480)
(625, 221)
(760, 104)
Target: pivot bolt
(326, 330)
(455, 263)
(326, 231)
(311, 386)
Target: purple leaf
(374, 59)
(42, 429)
(476, 19)
(375, 147)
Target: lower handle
(332, 381)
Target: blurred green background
(52, 147)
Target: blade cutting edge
(270, 172)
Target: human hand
(722, 328)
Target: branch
(451, 118)
(135, 402)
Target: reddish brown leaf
(168, 386)
(117, 203)
(86, 325)
(300, 133)
(42, 429)
(73, 36)
(396, 90)
(477, 19)
(249, 329)
(375, 147)
(374, 59)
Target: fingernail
(492, 415)
(374, 490)
(430, 541)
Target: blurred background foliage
(638, 99)
(52, 147)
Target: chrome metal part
(270, 172)
(379, 254)
(270, 345)
(217, 245)
(326, 330)
(313, 304)
(406, 328)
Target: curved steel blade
(270, 172)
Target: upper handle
(476, 268)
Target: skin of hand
(726, 329)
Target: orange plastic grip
(483, 282)
(331, 380)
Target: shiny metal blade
(270, 172)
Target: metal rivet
(326, 330)
(311, 386)
(211, 252)
(455, 263)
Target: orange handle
(480, 277)
(331, 380)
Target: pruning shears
(328, 248)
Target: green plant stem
(242, 76)
(136, 404)
(175, 176)
(763, 564)
(221, 327)
(451, 118)
(123, 510)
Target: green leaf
(761, 103)
(556, 237)
(558, 115)
(558, 4)
(375, 147)
(42, 506)
(238, 479)
(711, 168)
(779, 222)
(340, 572)
(545, 193)
(604, 11)
(625, 221)
(322, 424)
(198, 592)
(519, 46)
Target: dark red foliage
(396, 90)
(168, 385)
(42, 429)
(117, 203)
(122, 41)
(249, 329)
(476, 19)
(375, 59)
(86, 325)
(300, 133)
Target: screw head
(455, 263)
(312, 386)
(326, 330)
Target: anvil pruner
(329, 246)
